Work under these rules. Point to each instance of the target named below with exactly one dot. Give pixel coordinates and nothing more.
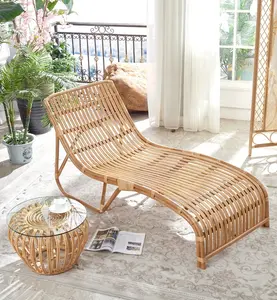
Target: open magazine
(113, 240)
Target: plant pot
(21, 154)
(37, 113)
(38, 110)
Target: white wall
(235, 100)
(110, 11)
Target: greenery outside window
(237, 39)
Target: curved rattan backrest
(92, 123)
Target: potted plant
(9, 10)
(26, 75)
(38, 74)
(34, 28)
(22, 78)
(19, 143)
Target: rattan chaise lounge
(221, 202)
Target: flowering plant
(34, 24)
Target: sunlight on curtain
(183, 58)
(201, 84)
(165, 59)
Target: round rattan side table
(49, 243)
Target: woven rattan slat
(221, 202)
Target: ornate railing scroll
(263, 125)
(96, 45)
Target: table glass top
(46, 216)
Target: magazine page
(104, 239)
(129, 242)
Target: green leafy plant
(19, 136)
(9, 10)
(23, 78)
(32, 67)
(63, 60)
(49, 5)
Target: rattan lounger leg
(58, 171)
(267, 224)
(267, 213)
(102, 203)
(109, 202)
(200, 253)
(201, 265)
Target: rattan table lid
(33, 217)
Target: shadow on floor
(7, 168)
(262, 167)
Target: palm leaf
(68, 4)
(9, 11)
(24, 76)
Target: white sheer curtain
(183, 59)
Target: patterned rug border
(114, 287)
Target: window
(237, 29)
(237, 39)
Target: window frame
(236, 83)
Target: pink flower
(35, 26)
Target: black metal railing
(96, 45)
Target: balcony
(96, 45)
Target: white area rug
(167, 268)
(247, 270)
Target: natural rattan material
(221, 202)
(46, 251)
(262, 134)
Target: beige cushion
(130, 81)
